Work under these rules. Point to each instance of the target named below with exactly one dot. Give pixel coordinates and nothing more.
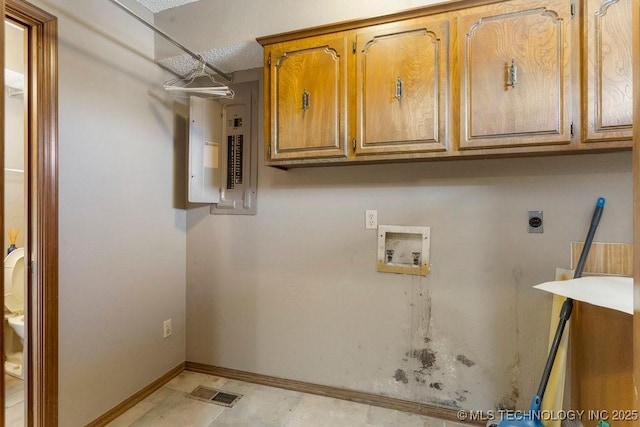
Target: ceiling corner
(156, 6)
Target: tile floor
(14, 401)
(260, 406)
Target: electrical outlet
(535, 222)
(371, 220)
(166, 325)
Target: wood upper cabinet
(458, 79)
(608, 102)
(515, 75)
(307, 96)
(401, 87)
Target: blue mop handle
(595, 219)
(567, 306)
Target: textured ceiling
(239, 56)
(156, 6)
(229, 58)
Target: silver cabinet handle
(512, 74)
(305, 100)
(399, 88)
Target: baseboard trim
(135, 398)
(328, 391)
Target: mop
(532, 417)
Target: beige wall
(122, 234)
(14, 142)
(293, 292)
(14, 159)
(14, 44)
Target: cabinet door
(401, 90)
(515, 87)
(608, 107)
(307, 91)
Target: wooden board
(601, 345)
(605, 258)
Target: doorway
(35, 233)
(15, 208)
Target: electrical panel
(231, 151)
(205, 139)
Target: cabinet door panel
(609, 101)
(308, 99)
(401, 90)
(515, 75)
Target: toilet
(14, 290)
(17, 324)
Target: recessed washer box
(403, 249)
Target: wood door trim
(636, 199)
(2, 119)
(42, 364)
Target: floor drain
(212, 395)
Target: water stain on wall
(461, 395)
(426, 357)
(420, 329)
(430, 368)
(509, 401)
(465, 360)
(401, 376)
